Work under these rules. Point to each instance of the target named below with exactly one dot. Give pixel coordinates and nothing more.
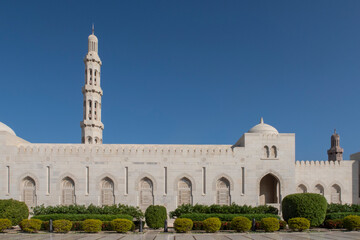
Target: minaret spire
(335, 153)
(91, 125)
(92, 29)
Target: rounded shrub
(121, 225)
(311, 206)
(155, 216)
(62, 226)
(299, 224)
(92, 225)
(4, 224)
(183, 225)
(270, 224)
(351, 222)
(13, 210)
(212, 225)
(30, 225)
(241, 224)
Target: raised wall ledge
(126, 149)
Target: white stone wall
(24, 159)
(343, 173)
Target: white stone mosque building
(260, 168)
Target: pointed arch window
(29, 192)
(273, 152)
(319, 189)
(266, 152)
(335, 194)
(95, 77)
(184, 191)
(223, 191)
(107, 192)
(68, 191)
(301, 189)
(146, 193)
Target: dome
(263, 128)
(4, 128)
(92, 38)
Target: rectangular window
(87, 180)
(8, 179)
(165, 180)
(48, 179)
(126, 180)
(203, 180)
(243, 180)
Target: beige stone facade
(260, 168)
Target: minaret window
(86, 76)
(95, 78)
(90, 76)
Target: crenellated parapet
(318, 163)
(126, 149)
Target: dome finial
(261, 120)
(335, 131)
(93, 29)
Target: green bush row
(336, 207)
(135, 212)
(226, 217)
(224, 209)
(82, 217)
(341, 215)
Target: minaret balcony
(92, 88)
(92, 123)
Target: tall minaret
(91, 126)
(335, 153)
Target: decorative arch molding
(339, 184)
(69, 175)
(145, 175)
(102, 177)
(275, 174)
(305, 184)
(30, 175)
(184, 175)
(223, 175)
(322, 184)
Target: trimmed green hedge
(122, 209)
(226, 217)
(223, 209)
(336, 207)
(311, 206)
(13, 210)
(81, 217)
(341, 215)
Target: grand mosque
(260, 168)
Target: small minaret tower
(91, 126)
(335, 153)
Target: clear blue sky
(185, 72)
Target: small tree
(155, 216)
(311, 206)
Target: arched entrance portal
(269, 190)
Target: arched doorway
(269, 189)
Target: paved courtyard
(162, 236)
